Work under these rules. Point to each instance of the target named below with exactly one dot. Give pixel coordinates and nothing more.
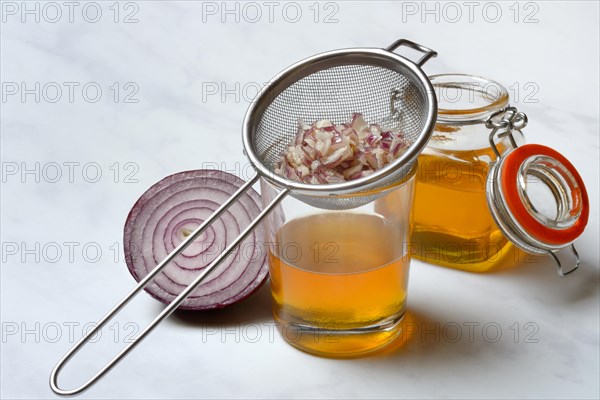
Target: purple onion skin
(230, 183)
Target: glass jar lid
(538, 200)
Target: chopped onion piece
(324, 153)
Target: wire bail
(511, 119)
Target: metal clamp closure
(502, 123)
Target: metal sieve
(385, 87)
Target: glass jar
(480, 191)
(339, 278)
(452, 223)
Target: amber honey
(453, 225)
(452, 222)
(339, 282)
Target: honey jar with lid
(481, 194)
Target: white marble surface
(174, 54)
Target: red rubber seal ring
(509, 183)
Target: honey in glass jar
(453, 226)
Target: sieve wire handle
(428, 53)
(175, 303)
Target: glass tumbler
(339, 278)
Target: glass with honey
(453, 226)
(339, 278)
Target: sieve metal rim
(315, 63)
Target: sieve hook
(171, 306)
(429, 53)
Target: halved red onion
(173, 208)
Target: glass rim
(471, 85)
